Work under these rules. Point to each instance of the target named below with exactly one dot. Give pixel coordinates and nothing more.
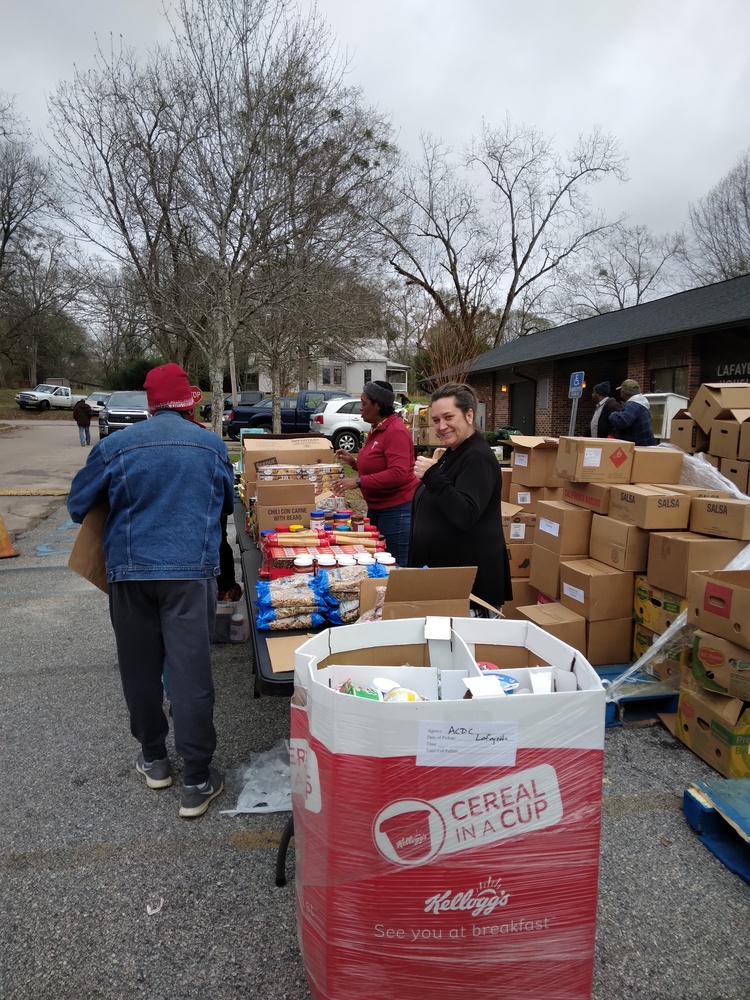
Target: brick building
(669, 345)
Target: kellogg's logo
(484, 901)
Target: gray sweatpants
(172, 620)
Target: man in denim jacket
(167, 481)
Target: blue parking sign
(575, 389)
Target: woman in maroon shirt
(385, 468)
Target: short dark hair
(465, 396)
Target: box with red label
(594, 496)
(721, 666)
(719, 603)
(715, 727)
(655, 608)
(594, 460)
(562, 527)
(419, 825)
(533, 461)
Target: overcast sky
(669, 78)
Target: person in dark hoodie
(633, 422)
(604, 404)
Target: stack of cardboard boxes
(718, 423)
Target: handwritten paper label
(467, 744)
(551, 527)
(574, 592)
(520, 459)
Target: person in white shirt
(604, 404)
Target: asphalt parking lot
(86, 849)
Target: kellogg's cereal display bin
(446, 847)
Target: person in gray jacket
(167, 482)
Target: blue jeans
(85, 435)
(394, 523)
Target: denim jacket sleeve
(90, 485)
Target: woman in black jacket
(456, 518)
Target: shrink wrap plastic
(696, 471)
(447, 847)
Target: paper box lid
(413, 593)
(530, 441)
(284, 449)
(738, 416)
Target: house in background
(368, 365)
(668, 345)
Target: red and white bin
(449, 847)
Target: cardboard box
(562, 527)
(674, 555)
(736, 472)
(282, 449)
(533, 461)
(651, 507)
(655, 608)
(552, 493)
(619, 544)
(652, 465)
(505, 473)
(719, 603)
(685, 433)
(721, 666)
(283, 503)
(713, 398)
(697, 491)
(559, 621)
(593, 496)
(525, 496)
(523, 594)
(743, 449)
(414, 593)
(519, 555)
(609, 641)
(712, 460)
(518, 525)
(594, 460)
(721, 518)
(545, 570)
(596, 591)
(715, 727)
(427, 437)
(725, 433)
(667, 665)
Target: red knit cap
(167, 388)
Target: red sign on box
(618, 457)
(717, 600)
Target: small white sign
(523, 498)
(551, 527)
(517, 531)
(467, 744)
(574, 592)
(520, 459)
(592, 458)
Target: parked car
(340, 421)
(248, 398)
(46, 396)
(98, 400)
(295, 412)
(123, 409)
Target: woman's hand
(422, 464)
(347, 458)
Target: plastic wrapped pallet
(448, 846)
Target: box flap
(436, 584)
(281, 650)
(522, 441)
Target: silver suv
(340, 421)
(122, 409)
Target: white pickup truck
(45, 396)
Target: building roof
(724, 304)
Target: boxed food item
(609, 641)
(596, 591)
(713, 398)
(668, 665)
(719, 603)
(519, 525)
(721, 666)
(447, 826)
(593, 496)
(655, 608)
(685, 433)
(594, 460)
(533, 461)
(656, 465)
(618, 544)
(282, 449)
(525, 496)
(721, 518)
(283, 503)
(545, 570)
(651, 507)
(736, 471)
(674, 555)
(716, 727)
(725, 432)
(562, 527)
(559, 621)
(523, 594)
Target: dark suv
(249, 398)
(122, 409)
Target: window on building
(542, 394)
(670, 380)
(325, 376)
(338, 376)
(368, 375)
(252, 381)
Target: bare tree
(718, 239)
(475, 249)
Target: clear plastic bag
(263, 783)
